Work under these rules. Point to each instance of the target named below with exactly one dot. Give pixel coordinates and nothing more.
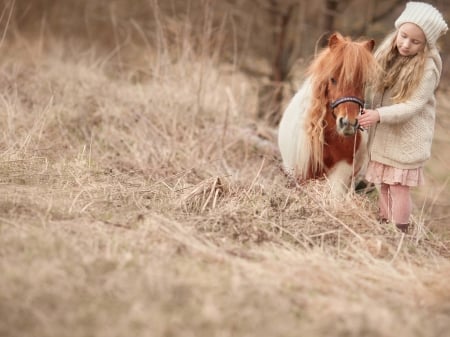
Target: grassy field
(140, 197)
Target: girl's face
(410, 39)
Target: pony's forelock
(350, 61)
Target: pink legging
(395, 203)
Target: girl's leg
(401, 204)
(384, 202)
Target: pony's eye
(333, 81)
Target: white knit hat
(428, 18)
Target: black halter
(345, 99)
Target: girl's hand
(368, 118)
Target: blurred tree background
(270, 40)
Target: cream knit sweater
(404, 135)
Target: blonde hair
(400, 74)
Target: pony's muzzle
(346, 127)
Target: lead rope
(352, 183)
(360, 128)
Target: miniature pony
(319, 135)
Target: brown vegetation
(140, 196)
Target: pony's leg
(339, 179)
(384, 202)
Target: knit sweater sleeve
(400, 112)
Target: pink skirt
(378, 173)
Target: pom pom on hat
(428, 18)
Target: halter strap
(345, 99)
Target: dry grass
(156, 207)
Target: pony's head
(339, 75)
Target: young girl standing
(402, 112)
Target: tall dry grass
(140, 197)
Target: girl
(402, 110)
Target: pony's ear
(334, 39)
(369, 44)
